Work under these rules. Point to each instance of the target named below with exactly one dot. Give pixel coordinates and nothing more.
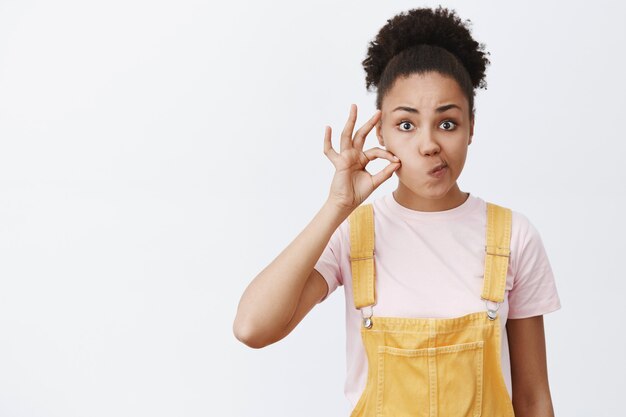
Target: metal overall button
(491, 312)
(367, 320)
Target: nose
(427, 142)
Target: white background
(156, 155)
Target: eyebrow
(440, 109)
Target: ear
(378, 132)
(471, 129)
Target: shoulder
(526, 242)
(521, 226)
(525, 231)
(524, 236)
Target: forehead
(428, 90)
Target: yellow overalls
(432, 367)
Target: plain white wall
(156, 155)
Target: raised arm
(287, 289)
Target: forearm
(533, 407)
(270, 300)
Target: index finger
(346, 134)
(361, 134)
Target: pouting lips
(437, 168)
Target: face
(425, 121)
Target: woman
(445, 302)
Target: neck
(411, 200)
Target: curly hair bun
(439, 27)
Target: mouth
(438, 167)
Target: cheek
(397, 145)
(457, 159)
(459, 153)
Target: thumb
(385, 173)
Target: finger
(361, 134)
(385, 173)
(376, 152)
(346, 135)
(328, 146)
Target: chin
(429, 192)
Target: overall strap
(361, 222)
(497, 252)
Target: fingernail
(396, 158)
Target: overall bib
(432, 367)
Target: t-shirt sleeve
(329, 263)
(534, 289)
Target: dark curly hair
(422, 40)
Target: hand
(352, 184)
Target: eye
(404, 123)
(448, 122)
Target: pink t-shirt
(431, 264)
